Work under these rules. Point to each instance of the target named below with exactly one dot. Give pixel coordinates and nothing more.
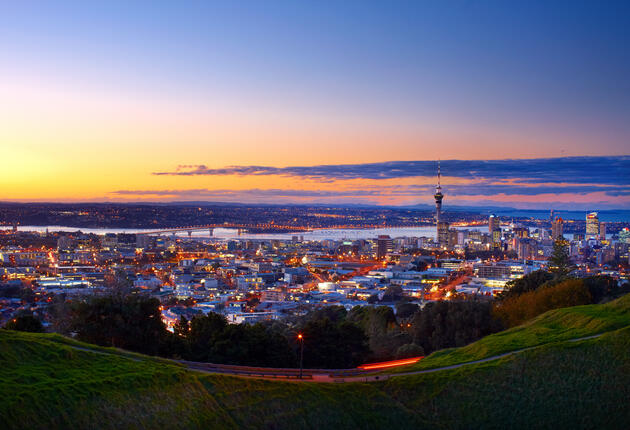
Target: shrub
(518, 309)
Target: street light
(301, 339)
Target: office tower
(493, 224)
(557, 227)
(496, 238)
(384, 246)
(602, 231)
(592, 225)
(521, 232)
(442, 233)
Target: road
(323, 375)
(336, 376)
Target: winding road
(324, 375)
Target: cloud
(520, 182)
(572, 170)
(418, 191)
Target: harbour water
(229, 233)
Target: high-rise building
(494, 224)
(494, 228)
(602, 231)
(442, 233)
(557, 227)
(384, 246)
(496, 238)
(453, 238)
(521, 232)
(592, 225)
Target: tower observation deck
(441, 226)
(438, 197)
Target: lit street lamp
(301, 339)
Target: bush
(406, 310)
(409, 350)
(384, 334)
(518, 309)
(25, 323)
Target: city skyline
(108, 102)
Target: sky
(525, 102)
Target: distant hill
(48, 381)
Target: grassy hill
(46, 382)
(553, 326)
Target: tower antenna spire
(442, 227)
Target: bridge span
(242, 228)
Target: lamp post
(301, 339)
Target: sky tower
(442, 226)
(438, 197)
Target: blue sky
(291, 84)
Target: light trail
(388, 364)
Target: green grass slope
(45, 382)
(553, 326)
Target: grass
(553, 326)
(45, 383)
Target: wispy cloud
(571, 170)
(604, 181)
(405, 193)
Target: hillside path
(323, 375)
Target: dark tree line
(446, 324)
(25, 322)
(542, 291)
(333, 337)
(131, 322)
(210, 338)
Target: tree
(60, 311)
(25, 322)
(527, 283)
(409, 350)
(334, 313)
(130, 322)
(119, 284)
(600, 287)
(384, 334)
(560, 262)
(393, 293)
(204, 332)
(181, 327)
(333, 346)
(406, 310)
(445, 324)
(252, 345)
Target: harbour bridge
(241, 228)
